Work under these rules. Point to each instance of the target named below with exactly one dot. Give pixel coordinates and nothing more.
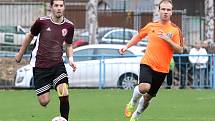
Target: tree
(209, 22)
(91, 20)
(156, 15)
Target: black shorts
(45, 78)
(147, 75)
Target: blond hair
(162, 1)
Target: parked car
(108, 35)
(11, 38)
(118, 36)
(11, 35)
(77, 42)
(98, 65)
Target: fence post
(213, 57)
(101, 72)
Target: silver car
(99, 66)
(108, 35)
(11, 35)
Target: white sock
(140, 108)
(136, 95)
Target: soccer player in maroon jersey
(48, 67)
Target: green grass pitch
(108, 105)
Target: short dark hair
(170, 1)
(52, 1)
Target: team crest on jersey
(64, 32)
(48, 29)
(169, 35)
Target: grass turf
(108, 105)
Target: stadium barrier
(109, 67)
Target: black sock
(64, 107)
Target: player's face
(165, 11)
(58, 8)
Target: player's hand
(18, 58)
(72, 63)
(122, 50)
(163, 35)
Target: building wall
(22, 14)
(192, 7)
(121, 14)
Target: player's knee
(44, 102)
(62, 90)
(144, 87)
(44, 99)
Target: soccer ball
(59, 118)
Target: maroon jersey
(48, 48)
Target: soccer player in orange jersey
(164, 38)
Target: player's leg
(44, 99)
(42, 83)
(157, 80)
(142, 106)
(63, 93)
(139, 90)
(61, 85)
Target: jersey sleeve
(36, 27)
(69, 35)
(144, 31)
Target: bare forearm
(69, 54)
(69, 50)
(176, 47)
(26, 43)
(135, 39)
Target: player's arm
(69, 54)
(69, 47)
(135, 39)
(26, 42)
(176, 46)
(34, 31)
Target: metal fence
(191, 74)
(110, 72)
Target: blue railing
(181, 62)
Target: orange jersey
(159, 53)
